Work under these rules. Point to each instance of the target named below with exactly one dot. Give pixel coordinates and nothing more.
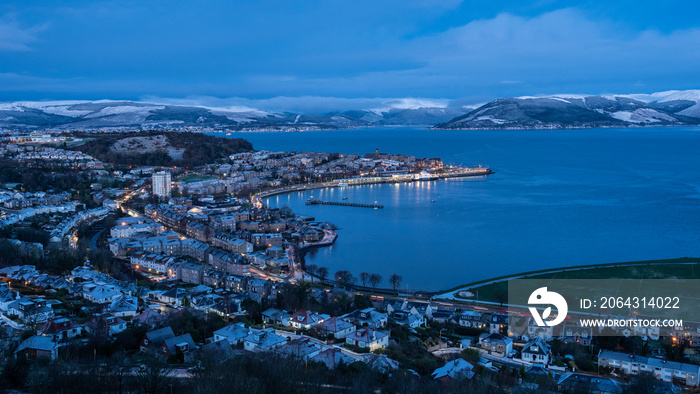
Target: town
(168, 273)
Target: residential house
(335, 328)
(190, 272)
(381, 363)
(233, 333)
(7, 296)
(30, 310)
(368, 338)
(304, 320)
(454, 370)
(536, 351)
(263, 340)
(535, 331)
(498, 323)
(38, 346)
(61, 329)
(106, 324)
(666, 371)
(100, 294)
(368, 317)
(124, 305)
(332, 357)
(473, 319)
(149, 318)
(154, 339)
(443, 316)
(496, 344)
(579, 382)
(406, 318)
(180, 344)
(574, 333)
(302, 348)
(276, 317)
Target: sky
(318, 55)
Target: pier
(345, 204)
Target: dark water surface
(558, 198)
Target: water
(558, 198)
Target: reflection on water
(558, 198)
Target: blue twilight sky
(327, 54)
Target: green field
(684, 268)
(196, 178)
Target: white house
(496, 344)
(263, 340)
(336, 327)
(457, 369)
(367, 338)
(536, 351)
(100, 294)
(369, 317)
(667, 371)
(124, 305)
(303, 319)
(234, 333)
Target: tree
(364, 278)
(344, 278)
(311, 269)
(375, 280)
(152, 377)
(322, 273)
(470, 355)
(395, 281)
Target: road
(95, 237)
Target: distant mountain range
(673, 108)
(129, 114)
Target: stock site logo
(543, 297)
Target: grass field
(196, 178)
(493, 290)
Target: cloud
(563, 50)
(303, 104)
(13, 37)
(327, 56)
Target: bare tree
(311, 269)
(152, 377)
(375, 280)
(322, 273)
(364, 278)
(344, 278)
(395, 281)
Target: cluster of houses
(26, 213)
(18, 200)
(503, 332)
(47, 156)
(290, 166)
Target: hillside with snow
(136, 115)
(672, 108)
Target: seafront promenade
(400, 178)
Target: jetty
(344, 204)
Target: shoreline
(368, 181)
(448, 294)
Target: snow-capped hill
(108, 113)
(575, 111)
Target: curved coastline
(449, 293)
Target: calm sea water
(558, 198)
